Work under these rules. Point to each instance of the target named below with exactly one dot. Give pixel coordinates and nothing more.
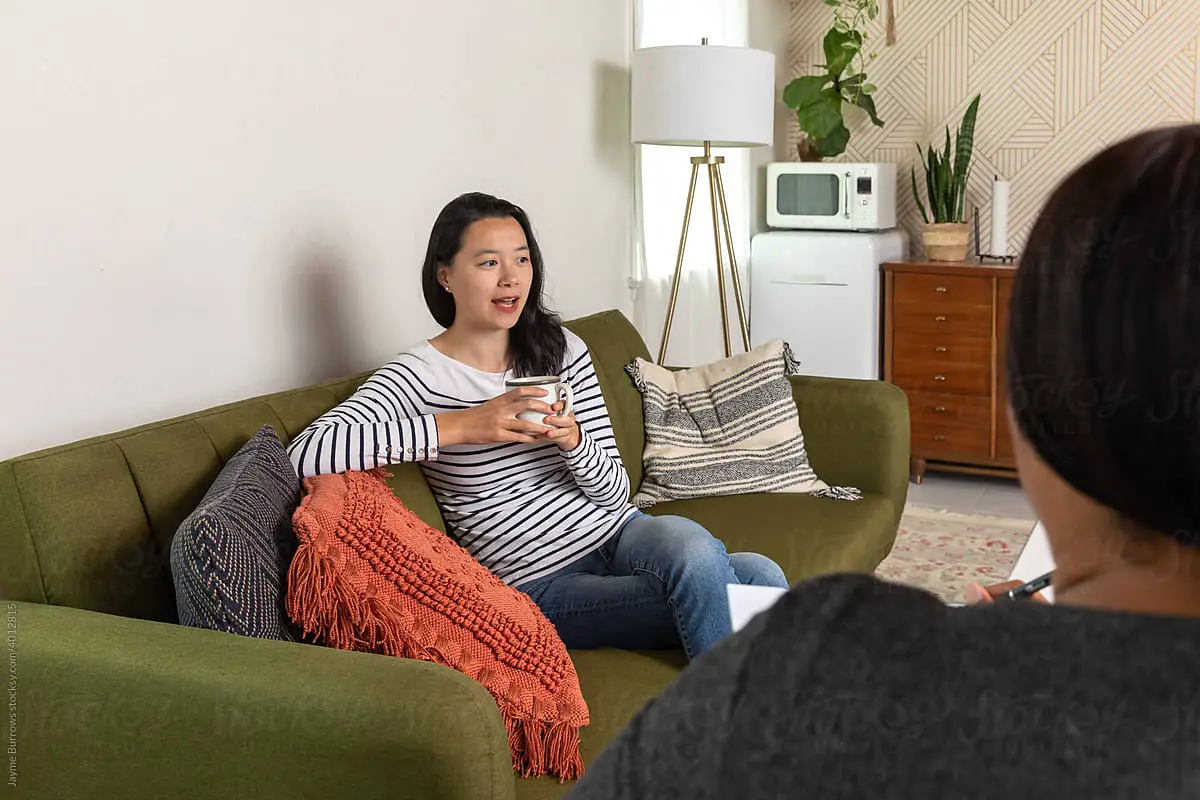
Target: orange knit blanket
(370, 575)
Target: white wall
(200, 202)
(770, 26)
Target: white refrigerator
(820, 291)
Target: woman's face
(490, 275)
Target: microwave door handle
(846, 188)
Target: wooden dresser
(944, 329)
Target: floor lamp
(705, 96)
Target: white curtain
(661, 175)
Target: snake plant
(946, 177)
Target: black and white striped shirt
(522, 510)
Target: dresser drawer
(955, 409)
(966, 321)
(943, 347)
(943, 377)
(950, 440)
(943, 290)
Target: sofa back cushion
(613, 343)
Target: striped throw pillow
(730, 427)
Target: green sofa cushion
(20, 572)
(613, 343)
(805, 535)
(88, 534)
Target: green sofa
(115, 699)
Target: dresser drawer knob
(940, 318)
(939, 349)
(941, 289)
(939, 377)
(937, 437)
(940, 409)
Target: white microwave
(831, 196)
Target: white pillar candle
(999, 218)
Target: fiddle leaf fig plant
(819, 99)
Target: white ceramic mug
(556, 390)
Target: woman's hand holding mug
(497, 419)
(565, 430)
(562, 429)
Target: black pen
(1028, 589)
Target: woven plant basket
(947, 241)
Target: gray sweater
(853, 688)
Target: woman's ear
(443, 276)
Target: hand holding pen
(1009, 590)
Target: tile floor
(965, 494)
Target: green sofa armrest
(857, 434)
(109, 706)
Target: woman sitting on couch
(543, 506)
(851, 687)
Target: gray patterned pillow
(230, 557)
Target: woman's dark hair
(537, 344)
(1104, 335)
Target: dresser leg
(916, 466)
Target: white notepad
(745, 602)
(1035, 560)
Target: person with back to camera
(543, 504)
(852, 687)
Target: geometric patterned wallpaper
(1060, 79)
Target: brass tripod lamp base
(722, 238)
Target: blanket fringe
(563, 751)
(321, 601)
(539, 748)
(382, 628)
(634, 368)
(839, 493)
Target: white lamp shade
(690, 94)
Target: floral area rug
(941, 551)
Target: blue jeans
(658, 583)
